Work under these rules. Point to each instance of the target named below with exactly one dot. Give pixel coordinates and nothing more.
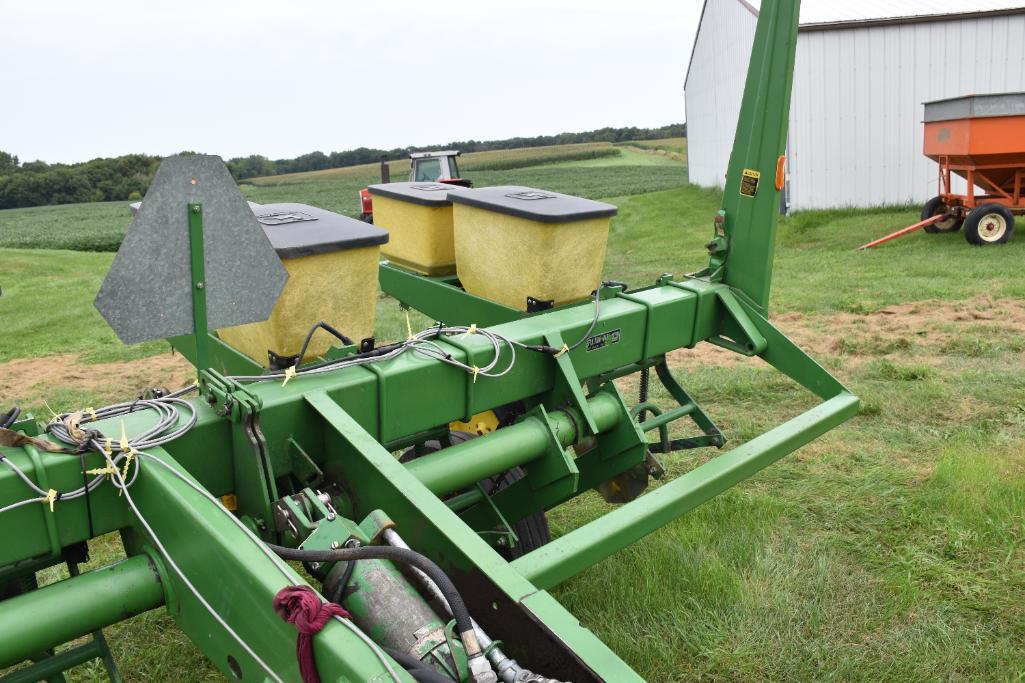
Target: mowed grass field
(890, 549)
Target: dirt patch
(938, 327)
(28, 381)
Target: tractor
(425, 167)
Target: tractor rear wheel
(989, 224)
(532, 531)
(934, 207)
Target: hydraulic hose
(408, 557)
(417, 669)
(9, 418)
(336, 581)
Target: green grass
(889, 549)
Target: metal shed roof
(822, 14)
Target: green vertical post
(198, 287)
(751, 198)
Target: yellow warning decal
(749, 182)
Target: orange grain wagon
(982, 139)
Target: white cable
(423, 344)
(119, 483)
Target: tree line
(256, 166)
(36, 183)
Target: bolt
(335, 545)
(195, 209)
(331, 516)
(314, 565)
(502, 541)
(199, 285)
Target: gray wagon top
(533, 204)
(423, 193)
(296, 230)
(976, 107)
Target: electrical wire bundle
(67, 428)
(424, 344)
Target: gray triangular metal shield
(147, 293)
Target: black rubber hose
(327, 328)
(379, 351)
(416, 668)
(387, 552)
(9, 418)
(337, 579)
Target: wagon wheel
(532, 530)
(989, 224)
(936, 207)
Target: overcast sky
(87, 79)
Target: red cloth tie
(302, 606)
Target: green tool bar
(465, 464)
(564, 557)
(41, 619)
(49, 667)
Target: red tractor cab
(425, 167)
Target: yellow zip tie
(564, 349)
(289, 374)
(409, 328)
(101, 470)
(472, 329)
(124, 473)
(108, 450)
(92, 412)
(51, 498)
(123, 443)
(476, 371)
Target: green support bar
(442, 298)
(49, 668)
(751, 196)
(464, 464)
(198, 264)
(77, 606)
(566, 556)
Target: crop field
(101, 226)
(491, 160)
(893, 548)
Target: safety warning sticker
(749, 182)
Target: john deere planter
(425, 549)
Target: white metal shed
(863, 70)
